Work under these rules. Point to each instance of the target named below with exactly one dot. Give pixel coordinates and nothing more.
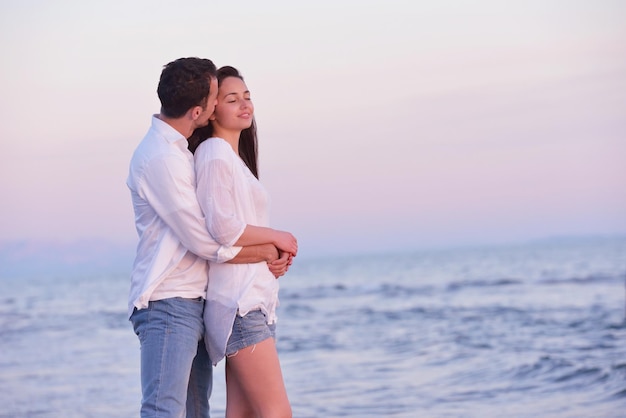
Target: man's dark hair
(185, 83)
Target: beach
(526, 330)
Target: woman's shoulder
(214, 147)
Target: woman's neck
(232, 137)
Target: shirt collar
(170, 134)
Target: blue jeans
(176, 372)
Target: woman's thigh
(254, 374)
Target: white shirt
(173, 240)
(233, 198)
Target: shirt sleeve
(217, 197)
(169, 188)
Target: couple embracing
(204, 283)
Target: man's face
(203, 119)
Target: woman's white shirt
(231, 198)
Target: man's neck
(182, 125)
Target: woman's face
(234, 109)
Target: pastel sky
(383, 125)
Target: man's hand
(277, 261)
(279, 267)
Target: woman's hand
(255, 235)
(286, 242)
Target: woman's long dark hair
(248, 148)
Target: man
(170, 272)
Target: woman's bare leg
(254, 383)
(237, 405)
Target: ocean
(529, 330)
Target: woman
(240, 310)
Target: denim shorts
(249, 330)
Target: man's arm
(278, 263)
(168, 187)
(256, 254)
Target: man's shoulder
(155, 146)
(154, 155)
